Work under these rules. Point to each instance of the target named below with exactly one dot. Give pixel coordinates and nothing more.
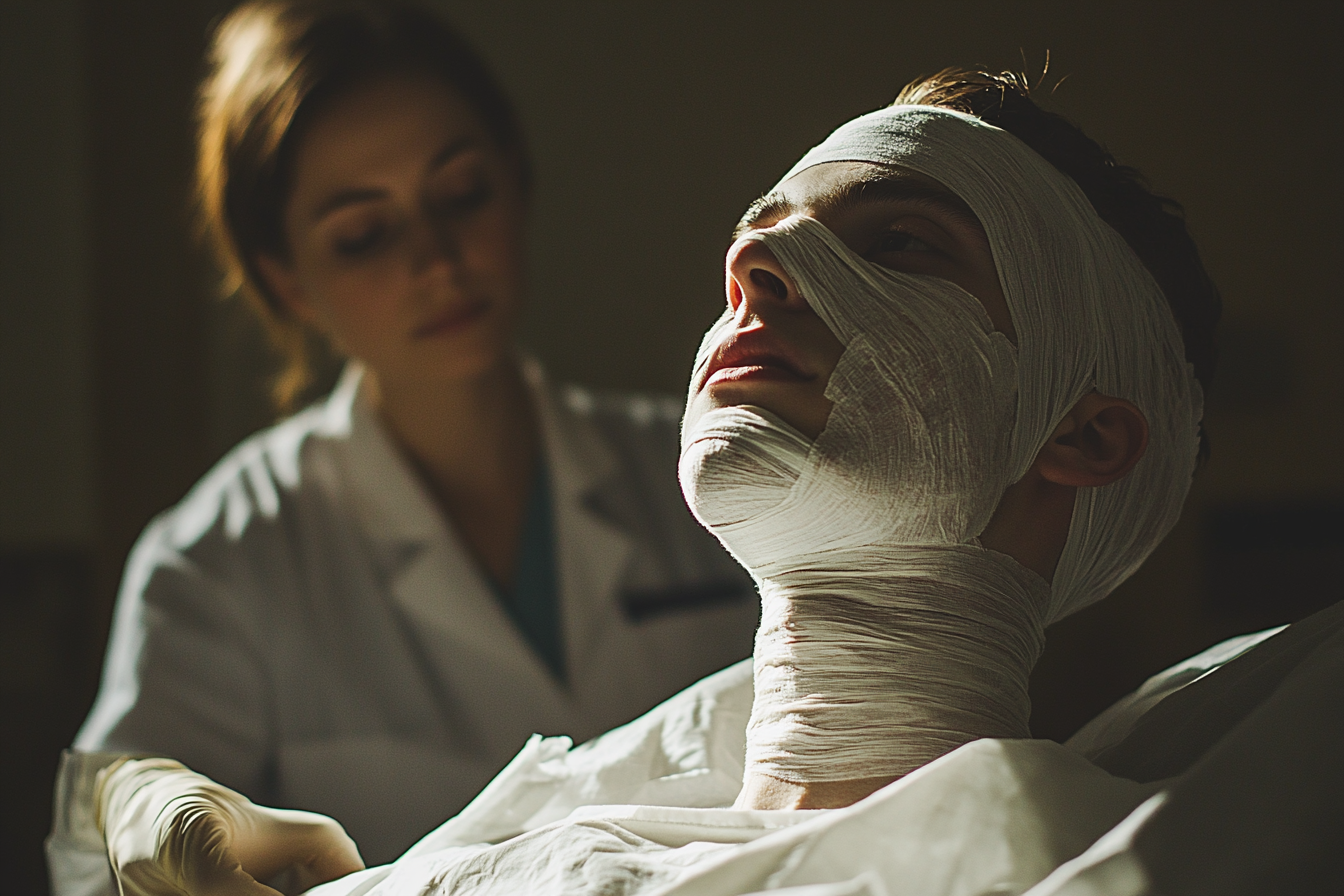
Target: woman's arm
(184, 677)
(185, 673)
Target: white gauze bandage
(888, 635)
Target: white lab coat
(306, 628)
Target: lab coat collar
(438, 586)
(392, 503)
(594, 546)
(394, 509)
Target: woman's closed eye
(361, 241)
(461, 203)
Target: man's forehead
(832, 186)
(828, 175)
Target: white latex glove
(170, 831)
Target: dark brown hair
(1152, 225)
(272, 64)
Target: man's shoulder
(1180, 714)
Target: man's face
(778, 354)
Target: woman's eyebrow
(452, 150)
(342, 198)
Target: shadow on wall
(1271, 562)
(47, 639)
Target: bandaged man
(955, 396)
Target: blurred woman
(367, 608)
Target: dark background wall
(653, 126)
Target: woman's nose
(434, 247)
(757, 279)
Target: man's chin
(796, 404)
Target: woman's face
(779, 354)
(405, 233)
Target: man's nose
(757, 279)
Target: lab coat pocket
(641, 604)
(386, 791)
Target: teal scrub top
(534, 600)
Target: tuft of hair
(1152, 225)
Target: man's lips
(450, 320)
(754, 355)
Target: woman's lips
(452, 319)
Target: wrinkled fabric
(644, 809)
(1247, 737)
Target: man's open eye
(900, 241)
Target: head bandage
(888, 635)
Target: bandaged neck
(871, 663)
(888, 634)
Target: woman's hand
(170, 831)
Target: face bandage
(888, 635)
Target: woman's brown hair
(272, 64)
(1152, 225)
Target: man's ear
(284, 284)
(1096, 443)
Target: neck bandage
(888, 635)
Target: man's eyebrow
(878, 187)
(885, 188)
(771, 205)
(342, 198)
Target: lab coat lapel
(593, 549)
(482, 670)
